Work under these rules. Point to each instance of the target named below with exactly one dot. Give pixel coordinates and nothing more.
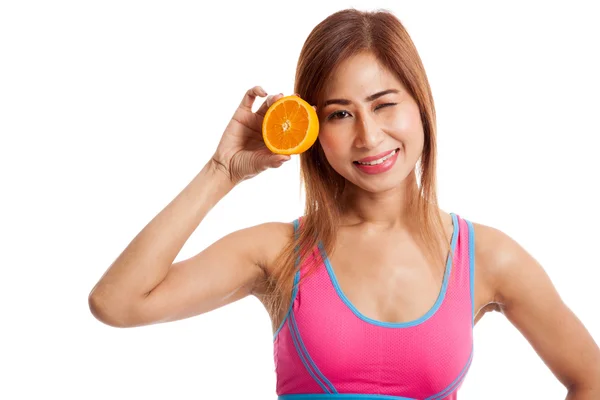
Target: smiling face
(370, 126)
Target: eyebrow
(370, 98)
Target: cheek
(334, 144)
(405, 115)
(408, 127)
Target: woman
(374, 291)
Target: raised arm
(144, 286)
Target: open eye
(338, 115)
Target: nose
(368, 133)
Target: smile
(377, 164)
(379, 160)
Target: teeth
(379, 161)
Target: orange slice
(290, 126)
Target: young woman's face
(370, 127)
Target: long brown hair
(335, 39)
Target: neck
(386, 210)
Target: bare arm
(143, 286)
(531, 303)
(144, 264)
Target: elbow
(577, 392)
(109, 312)
(588, 388)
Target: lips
(378, 157)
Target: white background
(108, 109)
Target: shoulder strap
(465, 265)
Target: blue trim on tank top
(317, 371)
(302, 356)
(295, 290)
(429, 314)
(472, 266)
(448, 390)
(345, 396)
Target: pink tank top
(326, 349)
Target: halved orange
(290, 126)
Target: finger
(264, 106)
(262, 110)
(264, 159)
(278, 160)
(250, 96)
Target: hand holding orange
(255, 141)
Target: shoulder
(268, 240)
(273, 229)
(270, 233)
(503, 264)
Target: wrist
(218, 173)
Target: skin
(144, 286)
